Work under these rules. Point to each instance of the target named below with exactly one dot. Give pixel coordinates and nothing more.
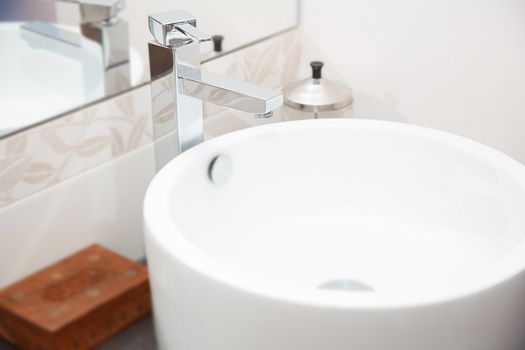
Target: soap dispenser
(317, 97)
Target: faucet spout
(229, 92)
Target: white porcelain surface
(422, 232)
(54, 76)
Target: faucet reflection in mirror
(100, 24)
(179, 86)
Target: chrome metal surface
(317, 94)
(228, 92)
(113, 39)
(193, 32)
(98, 10)
(178, 86)
(161, 24)
(98, 22)
(92, 11)
(346, 284)
(52, 31)
(263, 115)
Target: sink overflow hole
(220, 169)
(349, 285)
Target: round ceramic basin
(338, 234)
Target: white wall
(102, 205)
(456, 65)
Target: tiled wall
(48, 154)
(80, 179)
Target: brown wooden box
(76, 303)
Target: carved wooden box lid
(95, 291)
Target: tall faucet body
(99, 22)
(179, 86)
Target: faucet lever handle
(175, 28)
(195, 33)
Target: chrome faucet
(179, 86)
(99, 23)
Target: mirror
(57, 56)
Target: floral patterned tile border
(47, 154)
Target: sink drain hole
(349, 285)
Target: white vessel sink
(338, 235)
(54, 76)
